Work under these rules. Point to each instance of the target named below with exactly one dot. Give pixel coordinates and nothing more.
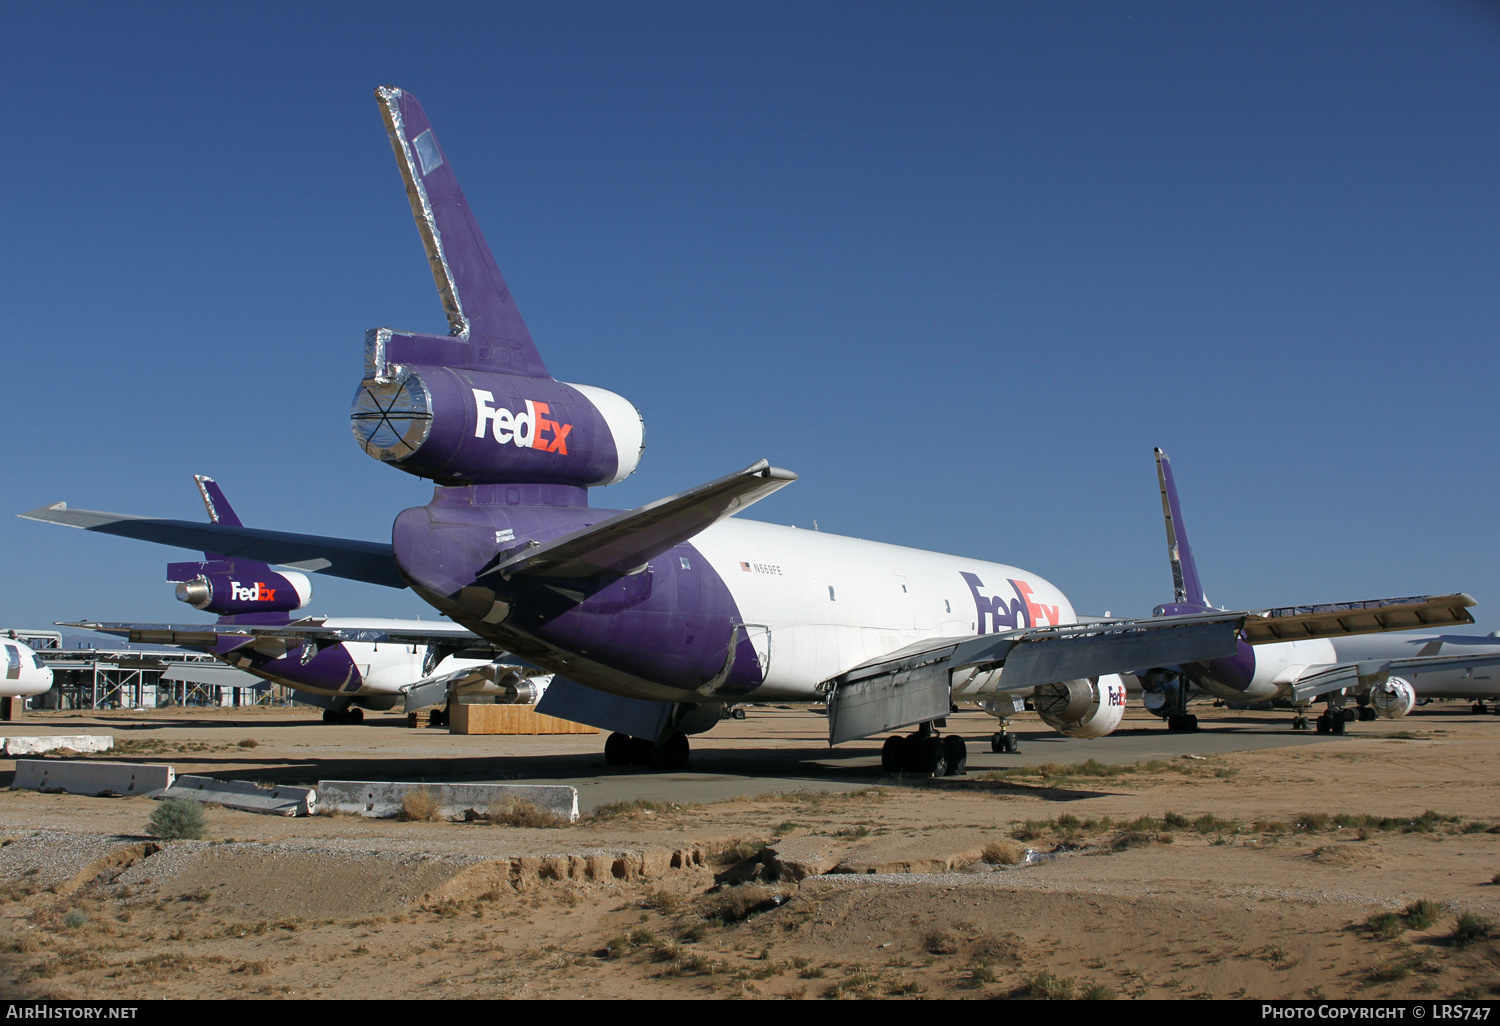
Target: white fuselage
(817, 604)
(22, 672)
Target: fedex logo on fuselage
(524, 430)
(257, 592)
(998, 613)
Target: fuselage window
(684, 562)
(830, 594)
(947, 606)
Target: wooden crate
(509, 719)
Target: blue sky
(960, 266)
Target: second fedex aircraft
(1384, 674)
(655, 618)
(414, 662)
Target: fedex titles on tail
(524, 430)
(997, 613)
(257, 592)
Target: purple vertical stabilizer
(482, 315)
(476, 405)
(1187, 588)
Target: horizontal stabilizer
(193, 635)
(627, 542)
(1294, 623)
(213, 675)
(370, 562)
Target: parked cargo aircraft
(417, 662)
(657, 617)
(1385, 674)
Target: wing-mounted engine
(223, 588)
(1088, 707)
(1393, 699)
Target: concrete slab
(93, 778)
(244, 795)
(385, 799)
(12, 747)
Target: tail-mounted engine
(461, 425)
(1085, 708)
(1393, 699)
(221, 587)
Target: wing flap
(370, 562)
(627, 542)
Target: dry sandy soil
(1254, 874)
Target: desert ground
(1171, 866)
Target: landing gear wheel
(439, 717)
(928, 757)
(640, 752)
(957, 754)
(1299, 722)
(329, 716)
(1366, 714)
(1350, 715)
(1479, 709)
(617, 750)
(1337, 724)
(998, 741)
(1012, 744)
(737, 714)
(1186, 721)
(671, 754)
(354, 715)
(893, 754)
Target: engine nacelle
(217, 587)
(1085, 708)
(1393, 699)
(462, 426)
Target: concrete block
(14, 746)
(245, 795)
(489, 718)
(97, 778)
(382, 799)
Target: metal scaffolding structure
(94, 678)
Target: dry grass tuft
(1004, 853)
(518, 812)
(420, 807)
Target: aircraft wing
(627, 542)
(914, 684)
(1323, 679)
(371, 562)
(207, 635)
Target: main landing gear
(925, 754)
(624, 750)
(348, 714)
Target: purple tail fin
(205, 585)
(475, 297)
(1188, 589)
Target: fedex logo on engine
(257, 592)
(527, 430)
(1000, 613)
